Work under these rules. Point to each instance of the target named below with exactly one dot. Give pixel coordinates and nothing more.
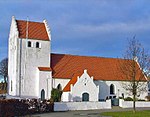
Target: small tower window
(37, 45)
(29, 43)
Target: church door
(42, 94)
(85, 97)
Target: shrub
(128, 99)
(16, 107)
(131, 99)
(141, 100)
(13, 107)
(148, 98)
(120, 97)
(56, 95)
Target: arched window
(29, 43)
(59, 87)
(11, 85)
(42, 94)
(37, 45)
(85, 97)
(112, 89)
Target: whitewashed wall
(104, 89)
(13, 59)
(84, 84)
(98, 90)
(45, 82)
(66, 97)
(31, 59)
(66, 106)
(61, 81)
(129, 104)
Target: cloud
(100, 31)
(82, 24)
(118, 27)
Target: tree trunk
(134, 99)
(5, 80)
(5, 83)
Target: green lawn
(145, 113)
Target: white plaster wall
(129, 104)
(61, 81)
(13, 58)
(45, 82)
(32, 58)
(65, 97)
(104, 89)
(66, 106)
(79, 88)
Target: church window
(112, 89)
(42, 94)
(29, 43)
(123, 95)
(59, 87)
(37, 45)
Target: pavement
(85, 113)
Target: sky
(82, 27)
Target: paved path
(87, 113)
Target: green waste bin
(115, 102)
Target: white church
(33, 70)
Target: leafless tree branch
(134, 68)
(4, 69)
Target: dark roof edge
(86, 56)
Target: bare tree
(4, 69)
(134, 69)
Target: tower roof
(32, 30)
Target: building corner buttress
(12, 57)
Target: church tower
(29, 71)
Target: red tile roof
(65, 66)
(36, 30)
(71, 82)
(44, 68)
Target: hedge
(16, 107)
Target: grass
(145, 113)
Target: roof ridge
(87, 56)
(30, 21)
